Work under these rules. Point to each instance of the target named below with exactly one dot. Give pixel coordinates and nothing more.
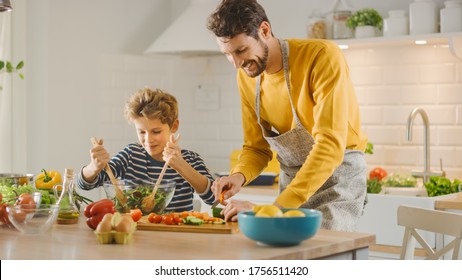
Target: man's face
(245, 52)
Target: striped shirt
(133, 162)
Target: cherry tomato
(167, 219)
(136, 214)
(158, 219)
(378, 173)
(177, 220)
(151, 217)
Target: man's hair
(152, 104)
(233, 17)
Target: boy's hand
(172, 152)
(99, 157)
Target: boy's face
(153, 135)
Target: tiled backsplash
(389, 83)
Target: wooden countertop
(79, 242)
(449, 202)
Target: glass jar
(451, 16)
(339, 28)
(396, 24)
(68, 211)
(317, 26)
(423, 17)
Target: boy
(155, 116)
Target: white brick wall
(389, 83)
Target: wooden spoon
(149, 202)
(118, 192)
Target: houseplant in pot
(366, 22)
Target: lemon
(294, 213)
(257, 208)
(269, 211)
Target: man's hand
(231, 183)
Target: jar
(451, 16)
(423, 17)
(340, 29)
(396, 24)
(317, 26)
(68, 211)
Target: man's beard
(261, 62)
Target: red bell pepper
(95, 211)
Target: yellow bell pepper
(47, 179)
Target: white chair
(414, 218)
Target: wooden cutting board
(228, 228)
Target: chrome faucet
(426, 172)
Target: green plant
(7, 66)
(363, 17)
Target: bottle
(68, 211)
(451, 16)
(339, 28)
(396, 24)
(423, 17)
(317, 26)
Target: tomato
(3, 214)
(26, 201)
(158, 219)
(167, 219)
(136, 214)
(151, 217)
(177, 220)
(378, 173)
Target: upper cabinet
(453, 40)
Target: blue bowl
(280, 231)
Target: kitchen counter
(79, 242)
(449, 202)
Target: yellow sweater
(326, 105)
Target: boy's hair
(233, 17)
(152, 104)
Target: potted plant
(366, 22)
(7, 66)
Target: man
(297, 99)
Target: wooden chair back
(441, 222)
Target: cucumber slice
(216, 212)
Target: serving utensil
(118, 192)
(149, 202)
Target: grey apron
(341, 198)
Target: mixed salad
(135, 198)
